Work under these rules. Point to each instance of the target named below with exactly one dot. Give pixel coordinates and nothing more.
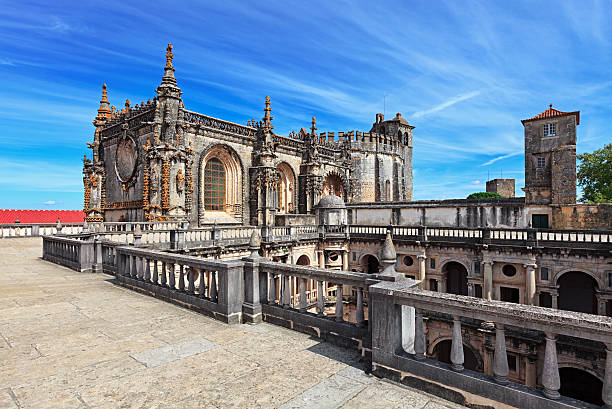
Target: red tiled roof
(553, 113)
(8, 216)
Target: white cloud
(475, 182)
(50, 202)
(501, 157)
(446, 104)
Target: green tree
(485, 195)
(595, 175)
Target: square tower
(550, 157)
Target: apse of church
(158, 161)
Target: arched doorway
(303, 260)
(456, 278)
(442, 352)
(577, 292)
(581, 385)
(285, 188)
(369, 264)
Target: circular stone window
(509, 270)
(408, 261)
(333, 256)
(125, 159)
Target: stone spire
(267, 119)
(313, 128)
(168, 86)
(388, 257)
(104, 112)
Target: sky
(464, 73)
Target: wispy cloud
(448, 103)
(492, 161)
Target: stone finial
(255, 244)
(137, 230)
(127, 104)
(313, 128)
(104, 112)
(267, 119)
(85, 226)
(398, 115)
(169, 56)
(388, 257)
(59, 225)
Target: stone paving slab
(76, 340)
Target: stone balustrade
(389, 356)
(70, 252)
(38, 229)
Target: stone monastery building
(159, 162)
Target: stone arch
(286, 190)
(577, 292)
(455, 275)
(234, 179)
(337, 183)
(440, 351)
(303, 260)
(581, 384)
(580, 270)
(369, 263)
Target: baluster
(500, 358)
(155, 277)
(213, 285)
(339, 304)
(286, 285)
(129, 266)
(163, 274)
(181, 278)
(550, 375)
(303, 302)
(272, 296)
(419, 335)
(147, 270)
(359, 314)
(171, 276)
(606, 392)
(140, 268)
(320, 298)
(457, 345)
(201, 285)
(190, 280)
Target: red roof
(9, 216)
(553, 113)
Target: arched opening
(214, 185)
(442, 353)
(303, 260)
(285, 189)
(581, 385)
(333, 185)
(369, 264)
(577, 292)
(456, 278)
(221, 182)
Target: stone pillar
(487, 291)
(345, 260)
(251, 307)
(530, 284)
(550, 374)
(422, 259)
(457, 345)
(500, 358)
(321, 256)
(554, 295)
(606, 392)
(530, 372)
(419, 335)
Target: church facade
(158, 161)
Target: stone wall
(504, 187)
(583, 216)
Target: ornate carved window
(214, 185)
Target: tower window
(549, 129)
(541, 162)
(214, 185)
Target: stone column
(422, 259)
(606, 392)
(457, 345)
(321, 256)
(530, 284)
(554, 295)
(530, 372)
(500, 358)
(487, 291)
(550, 374)
(345, 260)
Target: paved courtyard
(75, 340)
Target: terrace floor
(74, 340)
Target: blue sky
(463, 72)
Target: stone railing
(77, 254)
(218, 124)
(391, 358)
(38, 229)
(209, 286)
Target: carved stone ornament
(126, 159)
